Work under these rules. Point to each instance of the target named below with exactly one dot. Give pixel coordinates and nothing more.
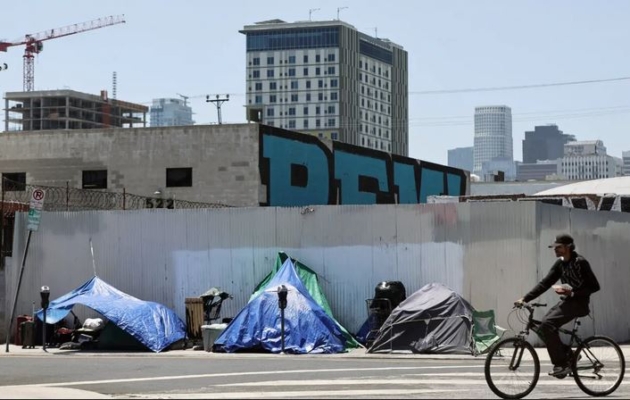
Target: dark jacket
(576, 272)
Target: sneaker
(560, 372)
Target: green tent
(311, 281)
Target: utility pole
(339, 9)
(311, 12)
(217, 102)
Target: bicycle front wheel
(598, 366)
(512, 368)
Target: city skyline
(197, 50)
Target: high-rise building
(461, 157)
(170, 112)
(493, 135)
(544, 143)
(330, 80)
(625, 156)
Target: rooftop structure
(68, 109)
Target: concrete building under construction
(68, 109)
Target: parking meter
(44, 293)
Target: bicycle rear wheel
(512, 368)
(598, 366)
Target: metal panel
(491, 253)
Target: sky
(194, 48)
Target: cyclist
(578, 283)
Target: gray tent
(434, 319)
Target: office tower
(330, 80)
(544, 143)
(170, 112)
(493, 135)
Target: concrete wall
(238, 165)
(491, 253)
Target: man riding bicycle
(578, 283)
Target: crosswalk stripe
(293, 394)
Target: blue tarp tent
(308, 328)
(152, 324)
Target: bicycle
(512, 367)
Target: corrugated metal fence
(491, 253)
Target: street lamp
(282, 303)
(45, 295)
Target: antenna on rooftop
(339, 9)
(310, 12)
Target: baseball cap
(562, 238)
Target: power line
(519, 87)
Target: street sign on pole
(35, 209)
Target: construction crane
(185, 98)
(34, 43)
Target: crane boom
(34, 41)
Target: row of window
(271, 73)
(97, 179)
(330, 109)
(304, 38)
(376, 144)
(292, 124)
(295, 85)
(295, 98)
(291, 60)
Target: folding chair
(485, 332)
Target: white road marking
(292, 394)
(229, 374)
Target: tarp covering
(434, 319)
(152, 324)
(308, 328)
(310, 281)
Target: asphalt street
(188, 374)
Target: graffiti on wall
(299, 170)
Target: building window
(305, 110)
(94, 179)
(273, 85)
(292, 111)
(334, 83)
(272, 98)
(294, 98)
(258, 99)
(308, 84)
(331, 122)
(291, 71)
(306, 124)
(320, 83)
(270, 61)
(270, 73)
(318, 71)
(291, 59)
(178, 177)
(320, 96)
(334, 135)
(308, 97)
(294, 84)
(291, 124)
(331, 70)
(331, 57)
(256, 61)
(331, 109)
(305, 71)
(256, 74)
(333, 96)
(318, 123)
(305, 58)
(258, 85)
(14, 182)
(317, 110)
(270, 112)
(317, 58)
